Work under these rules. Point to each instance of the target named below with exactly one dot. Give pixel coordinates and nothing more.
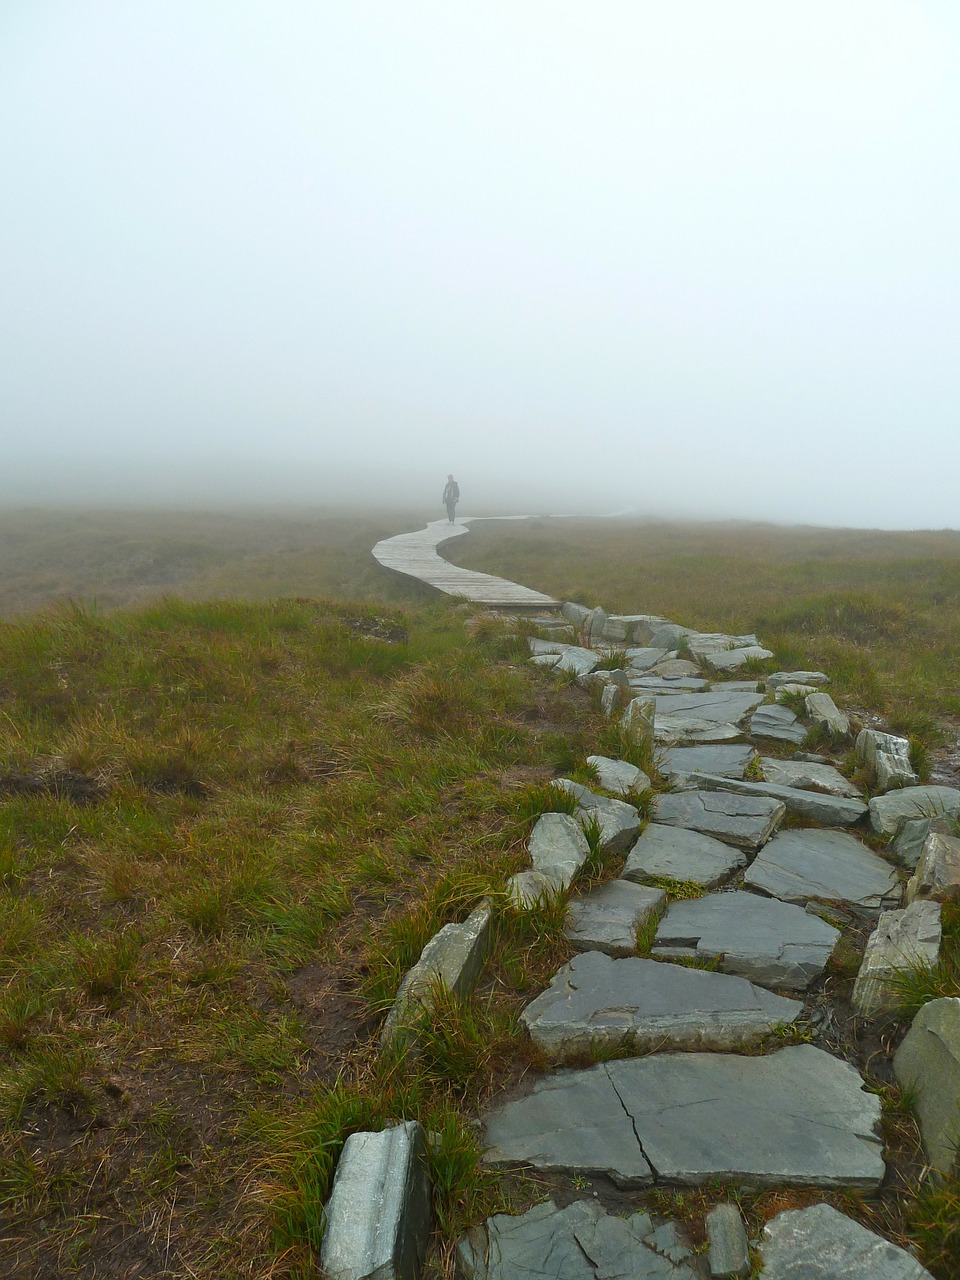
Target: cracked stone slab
(820, 1243)
(577, 661)
(816, 678)
(678, 854)
(795, 1117)
(642, 658)
(937, 873)
(674, 666)
(886, 759)
(744, 821)
(806, 775)
(608, 918)
(927, 1065)
(721, 707)
(595, 1003)
(725, 761)
(764, 940)
(828, 811)
(778, 723)
(888, 811)
(619, 775)
(378, 1216)
(809, 865)
(908, 939)
(580, 1242)
(619, 821)
(822, 710)
(668, 686)
(558, 848)
(672, 730)
(729, 1250)
(705, 644)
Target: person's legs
(451, 508)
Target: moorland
(246, 775)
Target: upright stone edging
(378, 1216)
(927, 1067)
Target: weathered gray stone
(619, 821)
(902, 940)
(611, 700)
(546, 660)
(642, 659)
(594, 624)
(558, 848)
(638, 719)
(799, 866)
(830, 811)
(596, 1004)
(726, 761)
(677, 854)
(796, 1117)
(580, 1242)
(668, 685)
(728, 1255)
(938, 869)
(547, 647)
(619, 775)
(674, 667)
(927, 1065)
(378, 1216)
(706, 644)
(778, 723)
(806, 776)
(577, 614)
(817, 678)
(669, 635)
(736, 686)
(734, 659)
(616, 631)
(691, 729)
(762, 939)
(888, 811)
(907, 845)
(822, 710)
(577, 661)
(452, 958)
(783, 692)
(528, 888)
(608, 918)
(886, 759)
(745, 821)
(721, 706)
(820, 1243)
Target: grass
(285, 801)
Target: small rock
(734, 659)
(610, 700)
(619, 775)
(888, 811)
(938, 869)
(744, 821)
(558, 848)
(817, 678)
(608, 918)
(778, 723)
(677, 854)
(886, 759)
(822, 710)
(808, 776)
(619, 821)
(820, 1243)
(902, 940)
(729, 1252)
(528, 888)
(638, 719)
(927, 1066)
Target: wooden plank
(415, 555)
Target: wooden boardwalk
(415, 554)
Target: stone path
(707, 1087)
(415, 555)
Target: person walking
(451, 496)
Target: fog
(689, 259)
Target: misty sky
(693, 258)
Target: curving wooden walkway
(415, 554)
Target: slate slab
(744, 821)
(795, 1117)
(596, 1003)
(927, 1065)
(734, 659)
(822, 710)
(675, 667)
(806, 776)
(764, 940)
(938, 869)
(685, 728)
(547, 660)
(619, 821)
(580, 1242)
(378, 1217)
(643, 658)
(619, 775)
(886, 759)
(678, 854)
(777, 723)
(707, 644)
(608, 918)
(577, 661)
(728, 1255)
(888, 811)
(903, 940)
(722, 760)
(810, 865)
(721, 706)
(558, 848)
(611, 700)
(816, 678)
(820, 1243)
(828, 811)
(453, 958)
(907, 845)
(668, 686)
(639, 717)
(528, 888)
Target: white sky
(697, 258)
